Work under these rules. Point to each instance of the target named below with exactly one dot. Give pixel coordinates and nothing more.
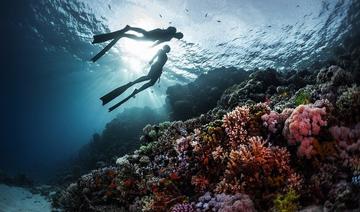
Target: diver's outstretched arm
(136, 91)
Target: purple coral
(225, 203)
(349, 144)
(347, 138)
(183, 207)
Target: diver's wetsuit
(158, 35)
(153, 35)
(153, 75)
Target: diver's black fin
(114, 93)
(105, 37)
(123, 101)
(107, 47)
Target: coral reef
(275, 142)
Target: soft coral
(303, 124)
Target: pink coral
(303, 124)
(305, 121)
(234, 123)
(306, 148)
(272, 119)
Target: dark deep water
(50, 91)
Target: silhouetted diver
(153, 75)
(156, 35)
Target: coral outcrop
(275, 142)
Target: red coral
(200, 182)
(259, 165)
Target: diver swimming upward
(153, 75)
(156, 35)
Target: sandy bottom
(19, 199)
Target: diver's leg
(140, 79)
(104, 37)
(109, 36)
(136, 91)
(146, 85)
(105, 49)
(118, 91)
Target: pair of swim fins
(114, 93)
(114, 36)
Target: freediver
(157, 35)
(153, 75)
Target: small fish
(297, 5)
(218, 21)
(269, 26)
(170, 22)
(160, 15)
(109, 6)
(187, 10)
(206, 15)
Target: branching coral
(235, 125)
(200, 182)
(243, 122)
(260, 167)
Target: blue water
(50, 104)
